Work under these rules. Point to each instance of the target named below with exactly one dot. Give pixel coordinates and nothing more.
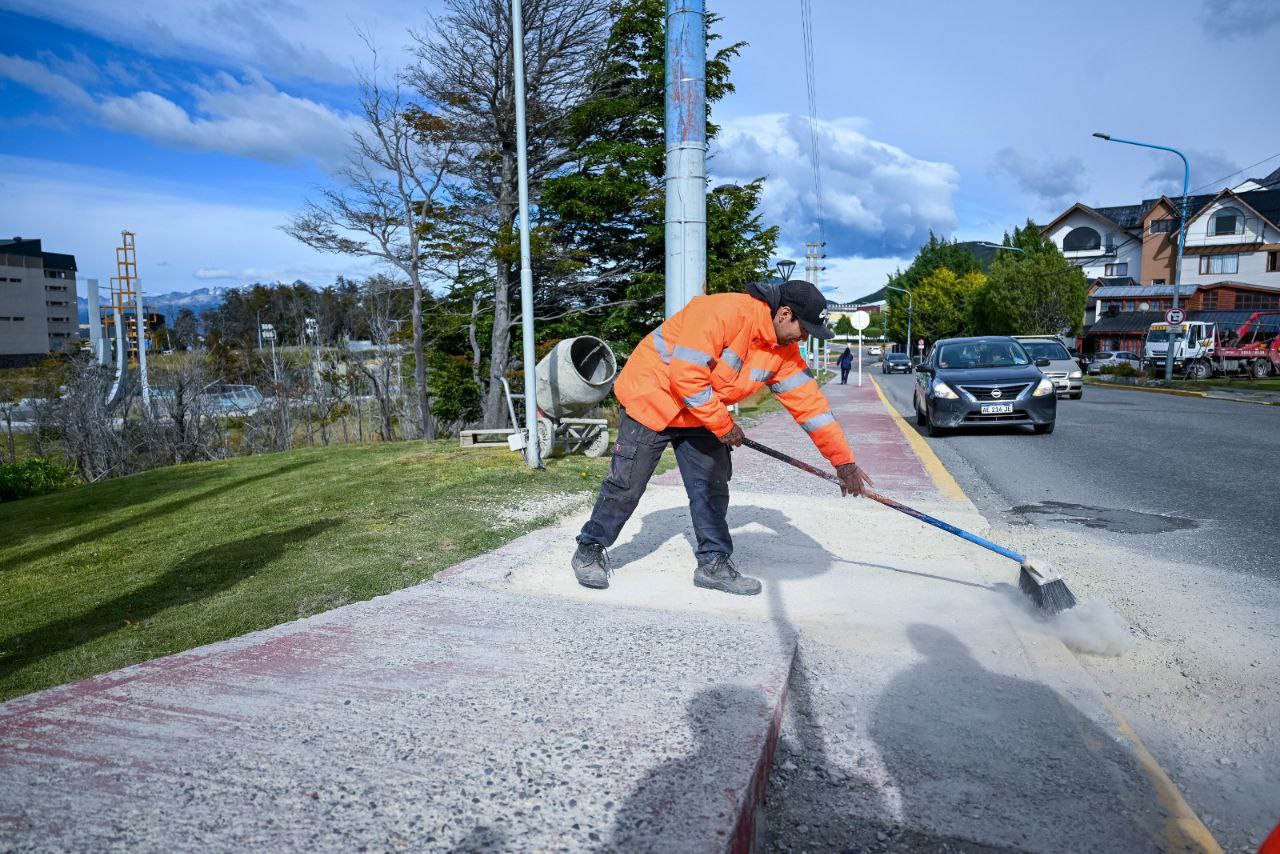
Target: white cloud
(1055, 181)
(249, 118)
(287, 40)
(878, 200)
(181, 232)
(1233, 19)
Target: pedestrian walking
(846, 364)
(675, 390)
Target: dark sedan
(894, 362)
(981, 382)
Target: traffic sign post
(860, 320)
(1174, 316)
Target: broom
(1041, 583)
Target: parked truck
(1204, 349)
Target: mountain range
(167, 304)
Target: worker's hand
(853, 480)
(733, 438)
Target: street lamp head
(785, 268)
(1103, 135)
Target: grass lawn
(102, 576)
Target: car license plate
(997, 408)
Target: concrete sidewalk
(503, 707)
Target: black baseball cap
(808, 305)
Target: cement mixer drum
(575, 376)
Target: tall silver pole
(142, 350)
(532, 454)
(686, 135)
(95, 324)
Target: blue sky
(202, 124)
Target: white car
(874, 351)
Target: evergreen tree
(609, 208)
(1033, 292)
(936, 253)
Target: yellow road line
(1183, 830)
(937, 471)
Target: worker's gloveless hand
(853, 480)
(733, 438)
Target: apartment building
(37, 302)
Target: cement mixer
(572, 379)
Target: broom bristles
(1048, 596)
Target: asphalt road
(1191, 477)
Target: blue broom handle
(889, 502)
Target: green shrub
(36, 476)
(1120, 370)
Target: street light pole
(1182, 235)
(532, 453)
(910, 312)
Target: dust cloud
(1093, 628)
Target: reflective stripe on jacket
(716, 351)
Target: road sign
(1174, 316)
(860, 320)
(920, 344)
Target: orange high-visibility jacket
(717, 350)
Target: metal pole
(95, 324)
(532, 453)
(859, 358)
(142, 351)
(686, 140)
(1182, 233)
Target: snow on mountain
(167, 304)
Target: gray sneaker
(591, 565)
(719, 573)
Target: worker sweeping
(674, 391)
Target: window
(55, 274)
(1127, 305)
(62, 288)
(1211, 264)
(1082, 239)
(59, 320)
(1209, 301)
(1116, 270)
(1273, 262)
(1159, 282)
(14, 319)
(1226, 221)
(1246, 301)
(55, 303)
(10, 279)
(1163, 226)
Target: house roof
(1126, 321)
(1140, 321)
(1112, 292)
(1097, 213)
(1264, 203)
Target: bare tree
(90, 431)
(464, 69)
(392, 177)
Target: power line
(811, 84)
(1233, 174)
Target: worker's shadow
(671, 799)
(967, 745)
(778, 554)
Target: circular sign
(1174, 316)
(860, 320)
